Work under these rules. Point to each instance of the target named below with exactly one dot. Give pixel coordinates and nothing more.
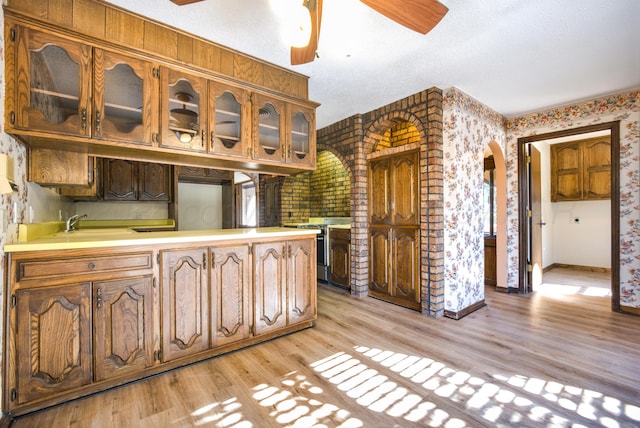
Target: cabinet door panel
(379, 261)
(123, 326)
(183, 111)
(405, 181)
(269, 117)
(301, 274)
(125, 97)
(379, 192)
(339, 261)
(301, 140)
(154, 182)
(231, 294)
(120, 180)
(566, 183)
(406, 275)
(53, 338)
(270, 287)
(53, 85)
(185, 303)
(597, 169)
(230, 119)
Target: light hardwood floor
(526, 361)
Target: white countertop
(99, 238)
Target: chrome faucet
(73, 221)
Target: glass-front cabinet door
(125, 98)
(183, 111)
(269, 117)
(229, 120)
(53, 84)
(301, 138)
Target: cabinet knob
(91, 266)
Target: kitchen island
(96, 308)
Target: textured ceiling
(516, 56)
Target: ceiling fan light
(299, 31)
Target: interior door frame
(523, 192)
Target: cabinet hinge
(13, 301)
(155, 283)
(14, 394)
(154, 138)
(250, 151)
(204, 261)
(158, 258)
(12, 118)
(156, 72)
(527, 159)
(12, 34)
(157, 355)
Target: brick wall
(415, 121)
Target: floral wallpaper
(468, 128)
(624, 107)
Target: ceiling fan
(418, 15)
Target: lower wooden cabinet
(52, 341)
(339, 260)
(394, 266)
(231, 294)
(84, 320)
(185, 303)
(270, 286)
(122, 326)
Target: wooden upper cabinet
(301, 136)
(269, 140)
(154, 182)
(566, 179)
(120, 180)
(125, 180)
(56, 168)
(581, 170)
(125, 98)
(56, 85)
(52, 84)
(597, 168)
(183, 111)
(229, 120)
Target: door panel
(405, 173)
(270, 287)
(379, 192)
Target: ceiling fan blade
(307, 53)
(418, 15)
(183, 2)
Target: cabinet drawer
(41, 269)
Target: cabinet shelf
(228, 113)
(55, 94)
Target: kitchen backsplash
(122, 210)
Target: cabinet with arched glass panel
(230, 120)
(71, 88)
(284, 131)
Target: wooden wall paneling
(89, 17)
(248, 70)
(275, 78)
(206, 55)
(160, 39)
(226, 62)
(185, 48)
(36, 8)
(59, 11)
(124, 29)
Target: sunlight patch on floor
(549, 288)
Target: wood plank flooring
(526, 361)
